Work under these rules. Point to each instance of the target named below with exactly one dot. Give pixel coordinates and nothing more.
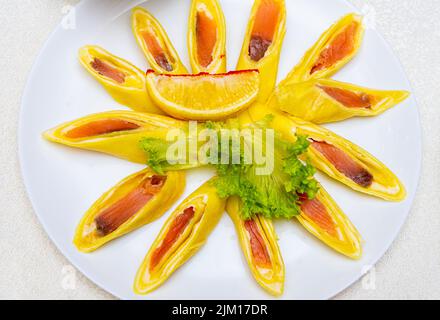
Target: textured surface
(31, 267)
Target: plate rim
(337, 291)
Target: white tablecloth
(31, 266)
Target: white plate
(62, 183)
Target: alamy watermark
(69, 17)
(369, 278)
(68, 281)
(368, 13)
(207, 146)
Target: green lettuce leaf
(274, 194)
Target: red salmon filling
(344, 164)
(157, 51)
(341, 46)
(206, 30)
(348, 98)
(100, 127)
(118, 213)
(264, 29)
(178, 226)
(107, 71)
(258, 247)
(316, 211)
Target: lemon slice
(204, 96)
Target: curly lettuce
(274, 194)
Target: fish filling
(119, 212)
(344, 164)
(316, 211)
(157, 51)
(176, 229)
(101, 127)
(107, 70)
(206, 31)
(264, 29)
(348, 98)
(258, 247)
(341, 46)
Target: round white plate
(62, 183)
